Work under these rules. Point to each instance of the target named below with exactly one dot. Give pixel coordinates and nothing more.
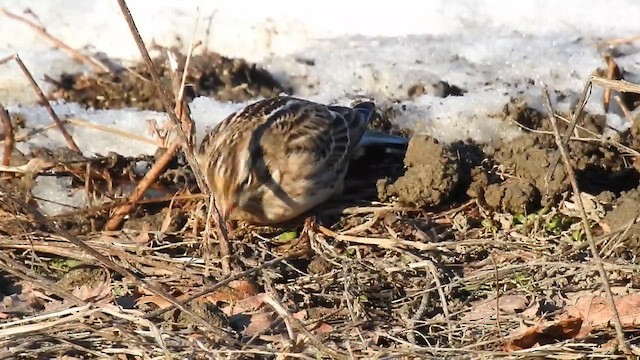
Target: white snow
(494, 50)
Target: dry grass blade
(104, 260)
(8, 136)
(91, 62)
(394, 244)
(585, 220)
(128, 135)
(89, 125)
(75, 314)
(279, 308)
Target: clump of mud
(526, 160)
(627, 208)
(210, 74)
(514, 196)
(431, 177)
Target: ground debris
(210, 74)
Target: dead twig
(8, 136)
(115, 221)
(625, 110)
(164, 97)
(585, 220)
(95, 64)
(286, 315)
(619, 41)
(166, 102)
(613, 73)
(70, 143)
(212, 288)
(617, 85)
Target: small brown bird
(279, 157)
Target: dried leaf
(300, 315)
(244, 286)
(245, 305)
(544, 333)
(98, 291)
(167, 219)
(321, 328)
(159, 301)
(236, 290)
(596, 313)
(259, 323)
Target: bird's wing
(326, 133)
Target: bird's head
(232, 183)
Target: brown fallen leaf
(544, 333)
(317, 327)
(235, 291)
(245, 305)
(158, 300)
(596, 313)
(259, 323)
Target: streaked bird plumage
(277, 158)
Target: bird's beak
(225, 208)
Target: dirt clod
(528, 159)
(626, 209)
(431, 176)
(516, 197)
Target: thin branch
(115, 221)
(582, 102)
(164, 97)
(613, 73)
(45, 102)
(8, 136)
(585, 221)
(95, 64)
(617, 85)
(166, 102)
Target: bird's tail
(362, 113)
(379, 138)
